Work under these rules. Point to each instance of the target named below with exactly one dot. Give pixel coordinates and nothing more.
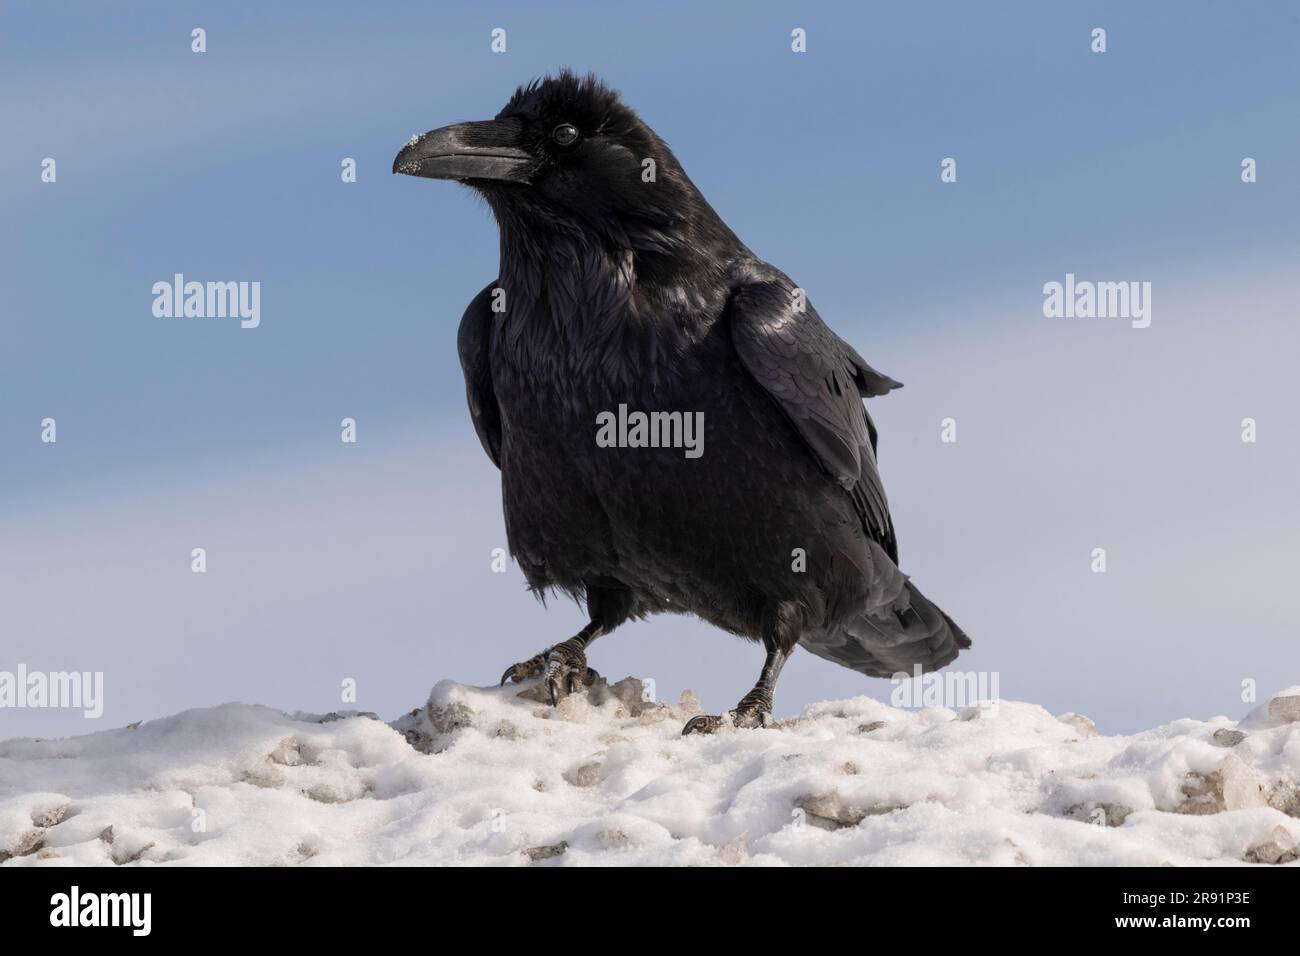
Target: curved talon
(563, 669)
(703, 724)
(741, 718)
(554, 670)
(524, 669)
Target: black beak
(468, 151)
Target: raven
(620, 288)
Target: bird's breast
(571, 359)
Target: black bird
(619, 285)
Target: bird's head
(567, 150)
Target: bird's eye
(565, 134)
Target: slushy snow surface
(486, 776)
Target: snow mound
(496, 776)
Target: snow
(495, 776)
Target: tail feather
(894, 636)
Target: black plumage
(616, 287)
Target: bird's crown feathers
(567, 97)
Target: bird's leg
(563, 665)
(780, 636)
(755, 708)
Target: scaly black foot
(753, 711)
(780, 635)
(563, 667)
(703, 724)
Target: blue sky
(331, 560)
